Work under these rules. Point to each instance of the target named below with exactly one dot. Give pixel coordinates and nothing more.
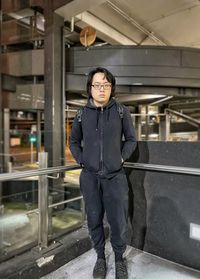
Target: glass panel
(69, 215)
(23, 149)
(18, 215)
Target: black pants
(106, 195)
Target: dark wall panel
(163, 205)
(159, 66)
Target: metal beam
(192, 121)
(104, 30)
(76, 7)
(141, 28)
(195, 104)
(60, 3)
(135, 98)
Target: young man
(96, 144)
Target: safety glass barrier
(65, 204)
(36, 206)
(18, 215)
(24, 146)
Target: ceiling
(134, 22)
(137, 22)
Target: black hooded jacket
(96, 140)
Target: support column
(1, 118)
(54, 98)
(1, 99)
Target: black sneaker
(121, 270)
(100, 269)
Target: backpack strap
(120, 110)
(79, 114)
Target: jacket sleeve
(75, 141)
(130, 142)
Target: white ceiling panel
(181, 28)
(141, 22)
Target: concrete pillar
(54, 97)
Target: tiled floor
(140, 266)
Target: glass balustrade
(20, 208)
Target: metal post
(147, 123)
(162, 128)
(6, 138)
(38, 133)
(138, 127)
(167, 127)
(1, 229)
(198, 133)
(43, 203)
(31, 151)
(83, 211)
(63, 100)
(1, 122)
(139, 124)
(50, 212)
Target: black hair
(110, 78)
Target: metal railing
(163, 168)
(192, 121)
(41, 171)
(43, 176)
(44, 204)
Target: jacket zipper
(101, 142)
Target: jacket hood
(90, 104)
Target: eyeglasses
(97, 86)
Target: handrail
(163, 168)
(141, 166)
(25, 174)
(194, 122)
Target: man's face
(100, 89)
